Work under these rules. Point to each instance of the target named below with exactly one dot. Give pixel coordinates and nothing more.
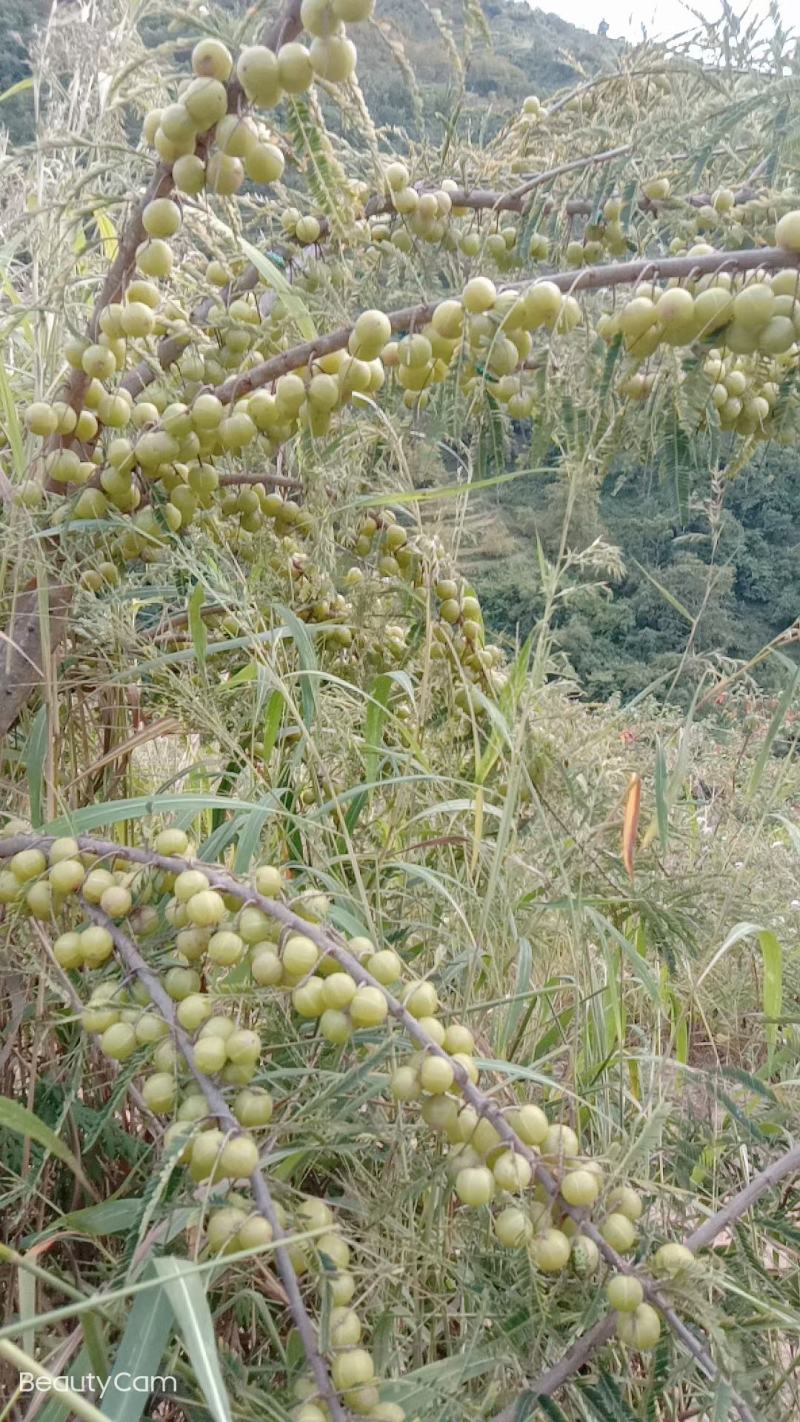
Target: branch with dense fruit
(629, 1287)
(132, 960)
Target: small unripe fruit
(551, 1251)
(436, 1075)
(352, 1369)
(618, 1231)
(161, 218)
(205, 1152)
(97, 945)
(368, 1007)
(300, 954)
(239, 1157)
(257, 71)
(254, 1233)
(479, 295)
(513, 1228)
(210, 1055)
(67, 951)
(787, 232)
(243, 1046)
(512, 1172)
(624, 1293)
(207, 101)
(193, 1010)
(253, 1107)
(28, 864)
(641, 1329)
(475, 1185)
(159, 1091)
(294, 68)
(206, 908)
(672, 1260)
(66, 876)
(422, 999)
(626, 1201)
(211, 59)
(580, 1187)
(119, 1042)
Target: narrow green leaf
(18, 88)
(307, 658)
(197, 627)
(186, 1293)
(772, 988)
(13, 428)
(661, 795)
(139, 1354)
(275, 279)
(773, 728)
(272, 723)
(35, 753)
(19, 1119)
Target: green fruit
(119, 1041)
(672, 1260)
(264, 164)
(626, 1201)
(207, 101)
(512, 1172)
(422, 999)
(28, 864)
(624, 1293)
(206, 908)
(787, 232)
(210, 1055)
(40, 418)
(300, 954)
(225, 948)
(180, 982)
(243, 1046)
(618, 1231)
(159, 1091)
(189, 176)
(239, 1157)
(294, 68)
(513, 1228)
(257, 71)
(67, 951)
(161, 218)
(352, 1369)
(580, 1187)
(368, 1008)
(116, 901)
(436, 1075)
(475, 1185)
(333, 57)
(193, 1010)
(641, 1329)
(253, 1107)
(206, 1150)
(255, 1233)
(66, 876)
(97, 945)
(212, 59)
(551, 1251)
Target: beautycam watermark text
(123, 1382)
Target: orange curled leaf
(630, 824)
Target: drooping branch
(332, 945)
(408, 318)
(129, 956)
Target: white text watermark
(143, 1383)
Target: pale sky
(662, 18)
